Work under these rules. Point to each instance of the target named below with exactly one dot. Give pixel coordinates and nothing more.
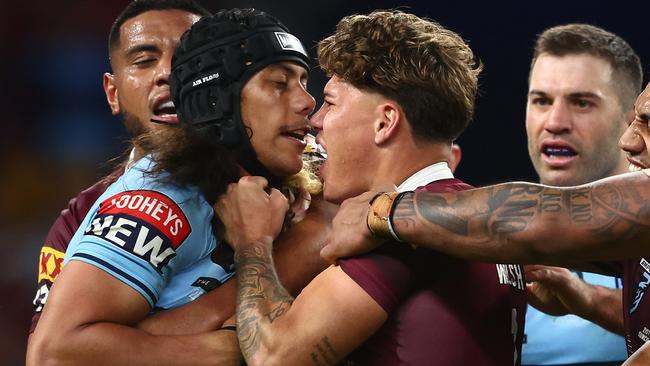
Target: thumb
(328, 253)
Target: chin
(287, 170)
(330, 194)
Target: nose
(305, 102)
(316, 120)
(163, 70)
(558, 119)
(631, 141)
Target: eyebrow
(573, 95)
(283, 66)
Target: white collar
(431, 173)
(131, 161)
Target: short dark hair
(429, 70)
(572, 39)
(138, 7)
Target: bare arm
(557, 291)
(639, 358)
(329, 318)
(513, 222)
(296, 257)
(90, 319)
(204, 314)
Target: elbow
(263, 359)
(45, 350)
(278, 357)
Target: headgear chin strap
(214, 60)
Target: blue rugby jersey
(152, 235)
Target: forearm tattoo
(616, 209)
(260, 296)
(324, 353)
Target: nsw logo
(145, 223)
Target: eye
(540, 101)
(583, 104)
(144, 60)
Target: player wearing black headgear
(147, 242)
(214, 61)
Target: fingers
(253, 181)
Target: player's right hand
(250, 214)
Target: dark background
(57, 133)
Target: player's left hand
(350, 234)
(250, 214)
(556, 291)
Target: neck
(396, 164)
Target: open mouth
(558, 151)
(164, 112)
(313, 151)
(296, 134)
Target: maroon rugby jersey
(50, 261)
(636, 304)
(441, 310)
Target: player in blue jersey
(239, 86)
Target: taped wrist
(380, 215)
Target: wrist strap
(380, 215)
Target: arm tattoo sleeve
(616, 211)
(261, 299)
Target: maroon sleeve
(50, 260)
(389, 274)
(386, 277)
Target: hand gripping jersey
(441, 310)
(152, 235)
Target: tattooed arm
(513, 222)
(297, 261)
(329, 318)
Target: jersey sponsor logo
(50, 264)
(641, 286)
(145, 223)
(207, 283)
(510, 274)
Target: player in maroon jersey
(402, 89)
(601, 226)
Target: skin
(274, 328)
(573, 103)
(352, 146)
(518, 222)
(141, 66)
(89, 332)
(557, 291)
(282, 105)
